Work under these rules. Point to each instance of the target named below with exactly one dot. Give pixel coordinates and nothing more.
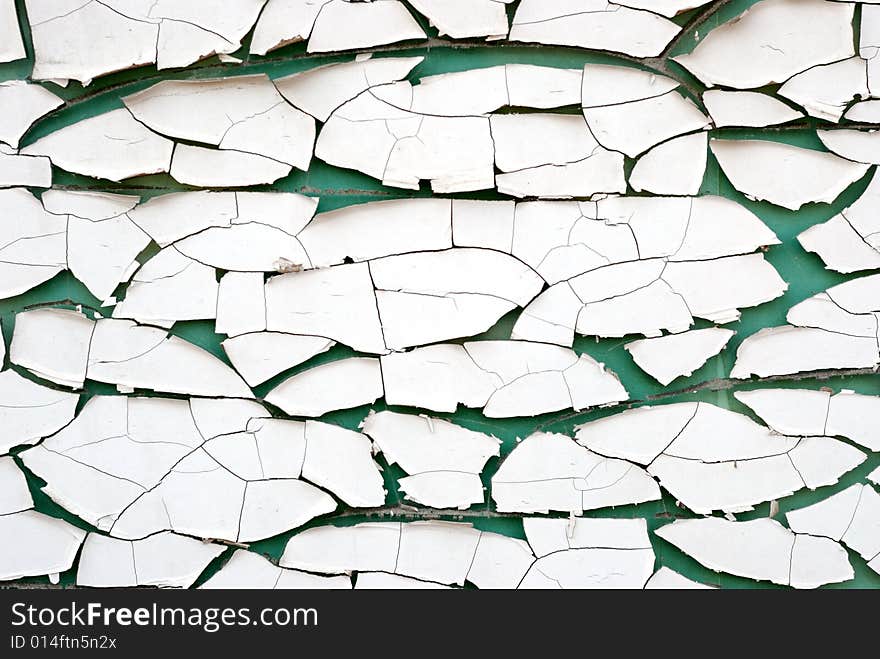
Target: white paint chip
(505, 378)
(36, 545)
(851, 516)
(669, 357)
(785, 175)
(808, 412)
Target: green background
(337, 188)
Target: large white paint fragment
(760, 549)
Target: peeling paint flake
(710, 458)
(760, 549)
(675, 355)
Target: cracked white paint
(241, 113)
(852, 516)
(30, 411)
(83, 40)
(165, 560)
(711, 459)
(837, 329)
(505, 378)
(230, 473)
(809, 412)
(666, 579)
(588, 553)
(760, 549)
(443, 460)
(67, 347)
(550, 472)
(850, 241)
(617, 98)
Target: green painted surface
(337, 188)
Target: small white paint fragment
(666, 579)
(336, 385)
(675, 167)
(12, 47)
(241, 304)
(165, 560)
(247, 570)
(443, 460)
(33, 248)
(669, 357)
(26, 171)
(593, 24)
(203, 167)
(263, 355)
(745, 108)
(460, 19)
(29, 411)
(15, 496)
(785, 175)
(36, 545)
(760, 549)
(857, 145)
(243, 113)
(170, 287)
(550, 472)
(751, 51)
